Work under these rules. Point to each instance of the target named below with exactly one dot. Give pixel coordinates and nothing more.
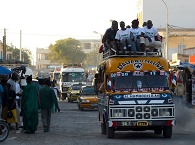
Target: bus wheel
(167, 132)
(110, 132)
(103, 128)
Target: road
(73, 127)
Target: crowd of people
(21, 105)
(131, 38)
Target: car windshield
(73, 77)
(76, 87)
(88, 91)
(138, 80)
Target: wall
(180, 12)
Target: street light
(101, 36)
(166, 39)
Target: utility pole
(20, 45)
(4, 45)
(167, 33)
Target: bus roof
(117, 64)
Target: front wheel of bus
(110, 132)
(167, 132)
(103, 128)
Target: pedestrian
(180, 91)
(18, 100)
(11, 106)
(1, 98)
(56, 91)
(12, 82)
(47, 99)
(29, 107)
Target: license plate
(126, 123)
(93, 104)
(142, 123)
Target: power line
(50, 35)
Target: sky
(42, 22)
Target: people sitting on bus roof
(152, 43)
(108, 39)
(137, 37)
(144, 24)
(123, 38)
(128, 26)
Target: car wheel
(167, 132)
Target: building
(181, 31)
(180, 12)
(43, 62)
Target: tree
(93, 58)
(66, 51)
(26, 54)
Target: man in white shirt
(150, 32)
(123, 37)
(137, 37)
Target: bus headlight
(164, 112)
(84, 101)
(118, 112)
(154, 112)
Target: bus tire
(110, 132)
(167, 132)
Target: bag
(9, 114)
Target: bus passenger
(150, 34)
(109, 37)
(123, 37)
(137, 37)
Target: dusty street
(72, 127)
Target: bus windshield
(137, 80)
(73, 77)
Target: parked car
(87, 98)
(73, 92)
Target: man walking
(47, 99)
(29, 106)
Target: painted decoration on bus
(138, 64)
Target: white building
(180, 12)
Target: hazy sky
(44, 21)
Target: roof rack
(113, 53)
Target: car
(73, 92)
(87, 98)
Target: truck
(71, 74)
(135, 94)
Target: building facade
(178, 15)
(180, 12)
